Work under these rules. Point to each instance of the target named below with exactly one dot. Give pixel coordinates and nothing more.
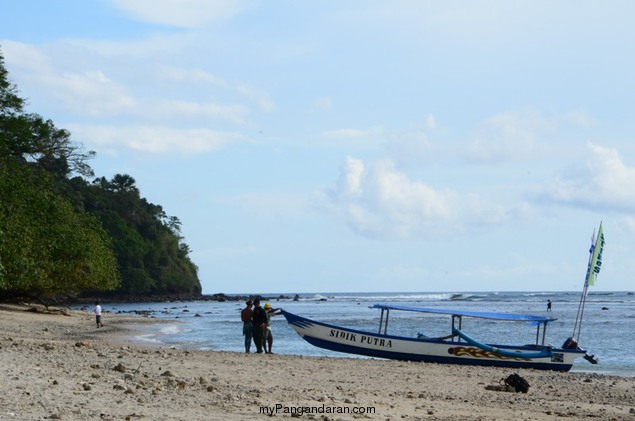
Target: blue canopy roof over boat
(480, 314)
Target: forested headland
(66, 233)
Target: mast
(593, 268)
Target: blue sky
(353, 146)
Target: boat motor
(591, 359)
(571, 343)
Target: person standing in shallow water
(98, 314)
(248, 327)
(259, 320)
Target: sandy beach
(60, 366)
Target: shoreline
(146, 329)
(63, 367)
(216, 327)
(168, 298)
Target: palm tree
(123, 183)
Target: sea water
(607, 329)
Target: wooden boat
(457, 347)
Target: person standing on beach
(259, 320)
(548, 305)
(267, 341)
(248, 327)
(98, 314)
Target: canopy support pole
(544, 333)
(383, 321)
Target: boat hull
(350, 341)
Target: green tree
(62, 235)
(151, 255)
(47, 248)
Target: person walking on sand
(267, 341)
(259, 320)
(248, 327)
(98, 314)
(548, 305)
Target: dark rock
(120, 368)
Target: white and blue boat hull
(350, 341)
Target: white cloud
(88, 92)
(265, 103)
(603, 181)
(377, 200)
(24, 56)
(176, 109)
(95, 93)
(153, 139)
(182, 13)
(91, 93)
(350, 184)
(181, 74)
(197, 77)
(509, 136)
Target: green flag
(595, 259)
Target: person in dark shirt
(248, 328)
(259, 320)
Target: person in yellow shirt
(268, 337)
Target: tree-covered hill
(65, 232)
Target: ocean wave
(469, 297)
(147, 338)
(374, 297)
(170, 329)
